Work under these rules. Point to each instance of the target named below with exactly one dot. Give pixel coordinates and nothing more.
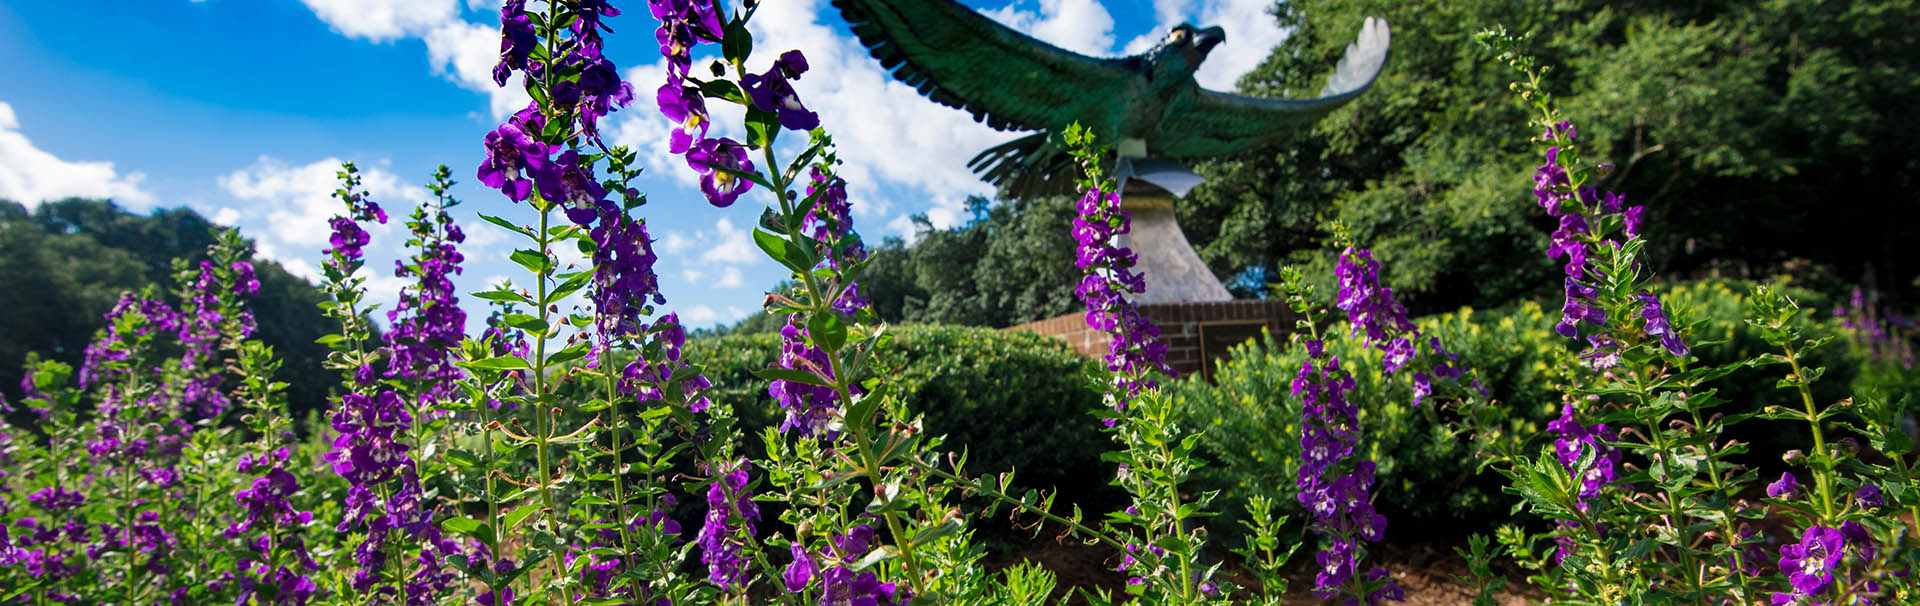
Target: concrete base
(1198, 335)
(1174, 271)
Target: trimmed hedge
(1012, 399)
(1428, 483)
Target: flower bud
(1794, 457)
(1847, 447)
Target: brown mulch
(1428, 573)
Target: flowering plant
(546, 459)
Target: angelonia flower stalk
(1573, 443)
(1154, 452)
(1886, 336)
(1587, 218)
(399, 557)
(1135, 350)
(1377, 316)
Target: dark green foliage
(1755, 132)
(1012, 264)
(1015, 400)
(1427, 478)
(65, 263)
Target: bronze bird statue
(1147, 106)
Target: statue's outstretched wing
(959, 58)
(1222, 123)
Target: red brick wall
(1179, 327)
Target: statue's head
(1184, 48)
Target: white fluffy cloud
(458, 50)
(383, 20)
(30, 175)
(731, 244)
(701, 316)
(1082, 26)
(292, 205)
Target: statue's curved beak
(1208, 38)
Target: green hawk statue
(1148, 105)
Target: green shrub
(1013, 399)
(1428, 482)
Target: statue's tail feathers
(1028, 167)
(1363, 61)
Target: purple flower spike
(721, 187)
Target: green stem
(619, 486)
(493, 504)
(1074, 525)
(543, 421)
(1821, 464)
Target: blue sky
(242, 110)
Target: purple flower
(1632, 220)
(1135, 350)
(809, 407)
(244, 283)
(517, 40)
(688, 111)
(1783, 488)
(772, 92)
(1581, 305)
(1657, 325)
(1858, 538)
(708, 157)
(683, 25)
(513, 156)
(1809, 564)
(720, 546)
(1868, 495)
(800, 572)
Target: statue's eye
(1179, 36)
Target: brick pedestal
(1196, 334)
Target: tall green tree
(65, 263)
(1758, 134)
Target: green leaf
(507, 224)
(762, 127)
(470, 527)
(500, 363)
(927, 535)
(774, 246)
(574, 282)
(461, 458)
(884, 553)
(737, 43)
(527, 323)
(788, 374)
(531, 259)
(828, 331)
(513, 518)
(506, 296)
(574, 352)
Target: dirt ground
(1427, 573)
